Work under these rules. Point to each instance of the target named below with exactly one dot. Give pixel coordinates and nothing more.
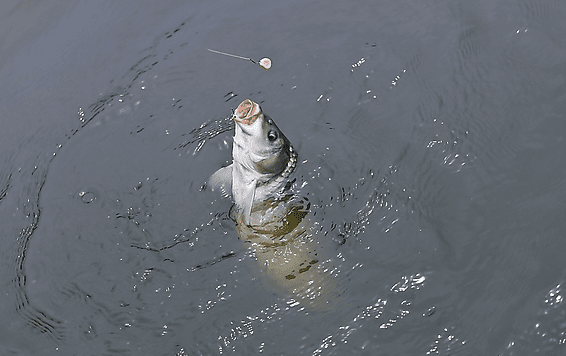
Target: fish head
(259, 145)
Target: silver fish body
(263, 160)
(274, 220)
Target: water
(430, 140)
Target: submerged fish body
(267, 214)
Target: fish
(268, 213)
(263, 159)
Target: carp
(268, 214)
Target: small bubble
(87, 197)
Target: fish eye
(272, 135)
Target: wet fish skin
(263, 159)
(274, 220)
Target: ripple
(545, 334)
(375, 320)
(535, 10)
(88, 196)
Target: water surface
(430, 140)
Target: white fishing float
(264, 63)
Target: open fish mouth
(247, 112)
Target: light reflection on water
(428, 143)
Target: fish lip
(247, 112)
